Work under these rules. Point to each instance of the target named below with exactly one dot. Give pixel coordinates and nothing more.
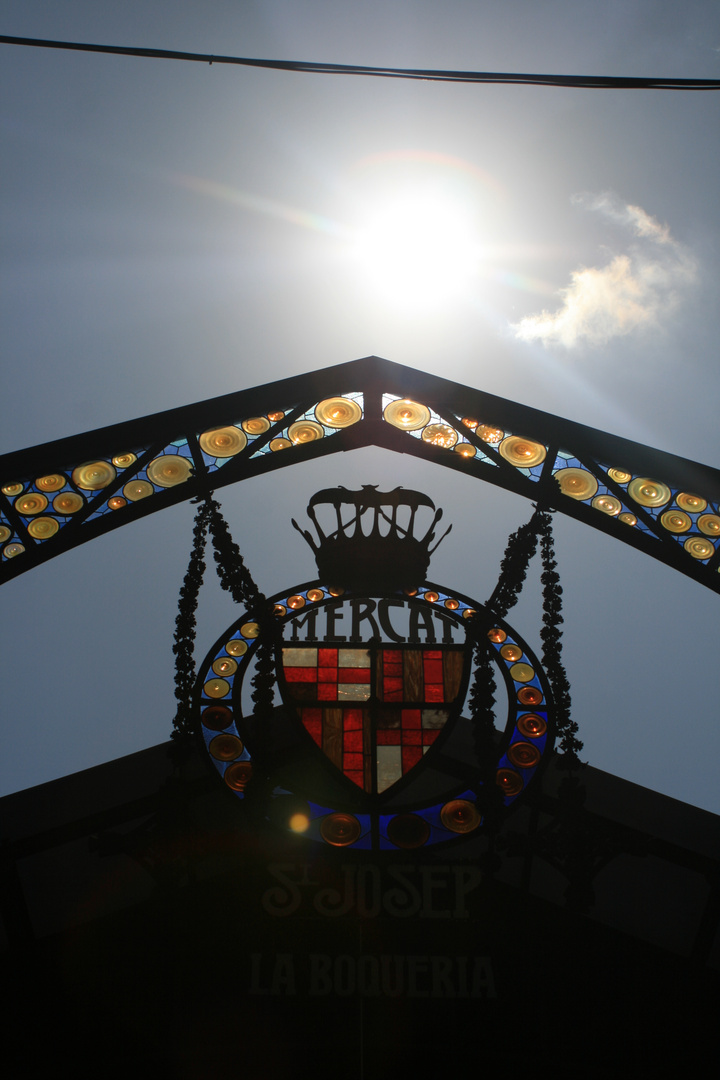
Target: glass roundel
(369, 692)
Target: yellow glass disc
(468, 421)
(511, 652)
(138, 489)
(451, 604)
(237, 775)
(223, 442)
(510, 781)
(338, 412)
(406, 414)
(11, 550)
(619, 476)
(315, 594)
(256, 425)
(464, 449)
(699, 548)
(296, 602)
(94, 475)
(440, 435)
(709, 524)
(217, 688)
(280, 444)
(225, 666)
(274, 417)
(524, 755)
(236, 647)
(694, 504)
(124, 461)
(340, 829)
(577, 483)
(33, 503)
(53, 482)
(225, 747)
(523, 453)
(649, 492)
(12, 489)
(627, 519)
(497, 635)
(675, 521)
(305, 431)
(431, 597)
(68, 503)
(522, 673)
(43, 527)
(250, 629)
(168, 470)
(5, 533)
(117, 502)
(608, 504)
(490, 434)
(460, 816)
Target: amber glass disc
(94, 476)
(11, 550)
(577, 483)
(53, 482)
(256, 425)
(336, 590)
(168, 470)
(68, 503)
(117, 502)
(305, 431)
(531, 726)
(649, 492)
(522, 672)
(709, 524)
(694, 504)
(12, 489)
(43, 527)
(223, 442)
(431, 597)
(460, 816)
(529, 695)
(279, 611)
(338, 412)
(698, 547)
(497, 635)
(225, 747)
(464, 449)
(296, 602)
(124, 461)
(217, 717)
(275, 417)
(217, 688)
(225, 666)
(407, 415)
(676, 521)
(315, 594)
(135, 490)
(280, 444)
(510, 781)
(511, 653)
(408, 831)
(33, 503)
(250, 629)
(607, 504)
(340, 829)
(523, 453)
(470, 422)
(452, 604)
(619, 476)
(524, 755)
(469, 612)
(490, 434)
(627, 519)
(440, 435)
(237, 775)
(236, 647)
(5, 533)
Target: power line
(586, 82)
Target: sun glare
(419, 251)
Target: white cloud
(633, 292)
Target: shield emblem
(374, 710)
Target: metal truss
(64, 493)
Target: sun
(418, 251)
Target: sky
(173, 231)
